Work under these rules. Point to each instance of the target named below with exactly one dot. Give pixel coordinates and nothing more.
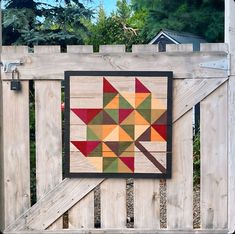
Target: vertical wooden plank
(113, 203)
(146, 191)
(82, 214)
(15, 174)
(230, 38)
(48, 133)
(180, 187)
(16, 151)
(213, 132)
(113, 191)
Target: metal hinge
(10, 66)
(222, 64)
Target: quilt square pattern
(118, 125)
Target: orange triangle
(107, 129)
(114, 103)
(140, 97)
(113, 135)
(107, 152)
(123, 136)
(139, 129)
(157, 104)
(130, 97)
(155, 136)
(123, 168)
(139, 119)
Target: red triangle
(86, 115)
(107, 87)
(140, 88)
(129, 161)
(123, 114)
(162, 130)
(86, 147)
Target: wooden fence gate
(193, 82)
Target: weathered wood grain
(188, 92)
(124, 231)
(184, 64)
(113, 203)
(80, 49)
(213, 135)
(146, 203)
(229, 38)
(48, 133)
(112, 49)
(214, 47)
(54, 204)
(149, 49)
(16, 152)
(15, 50)
(179, 47)
(82, 214)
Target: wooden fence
(193, 82)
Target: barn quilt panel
(118, 124)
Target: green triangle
(113, 113)
(129, 129)
(91, 136)
(123, 103)
(98, 119)
(123, 145)
(146, 104)
(146, 113)
(107, 98)
(110, 164)
(97, 152)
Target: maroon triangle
(162, 119)
(113, 145)
(140, 88)
(129, 162)
(162, 130)
(85, 147)
(124, 113)
(107, 87)
(86, 115)
(146, 136)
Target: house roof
(180, 38)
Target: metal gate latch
(10, 66)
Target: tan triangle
(106, 130)
(123, 136)
(157, 104)
(130, 97)
(156, 113)
(140, 97)
(139, 119)
(140, 129)
(113, 136)
(123, 168)
(129, 151)
(129, 120)
(114, 103)
(97, 162)
(97, 129)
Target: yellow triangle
(157, 104)
(123, 136)
(139, 129)
(97, 162)
(139, 119)
(130, 97)
(107, 129)
(155, 136)
(107, 152)
(114, 135)
(114, 103)
(140, 97)
(123, 168)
